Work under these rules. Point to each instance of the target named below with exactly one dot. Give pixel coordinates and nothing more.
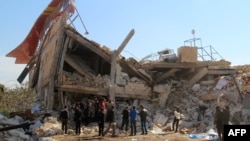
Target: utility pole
(193, 32)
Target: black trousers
(101, 128)
(65, 125)
(175, 124)
(78, 127)
(125, 122)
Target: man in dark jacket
(64, 117)
(78, 118)
(143, 116)
(100, 120)
(111, 121)
(125, 118)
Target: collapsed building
(62, 64)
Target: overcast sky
(158, 24)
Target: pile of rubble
(226, 90)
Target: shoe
(146, 133)
(131, 135)
(142, 133)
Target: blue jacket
(133, 114)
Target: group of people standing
(94, 111)
(132, 116)
(142, 113)
(106, 113)
(64, 117)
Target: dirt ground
(169, 136)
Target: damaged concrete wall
(47, 64)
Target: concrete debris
(159, 119)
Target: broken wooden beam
(24, 125)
